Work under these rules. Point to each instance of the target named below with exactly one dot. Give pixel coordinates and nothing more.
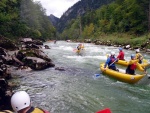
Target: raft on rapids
(121, 76)
(140, 67)
(80, 51)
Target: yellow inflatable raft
(126, 63)
(80, 51)
(127, 78)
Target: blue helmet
(120, 49)
(132, 56)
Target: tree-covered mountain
(78, 9)
(120, 16)
(24, 18)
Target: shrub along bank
(134, 42)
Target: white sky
(57, 7)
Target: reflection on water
(75, 91)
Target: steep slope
(54, 20)
(79, 9)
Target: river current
(76, 90)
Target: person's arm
(106, 63)
(133, 61)
(137, 56)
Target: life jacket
(112, 59)
(121, 55)
(36, 110)
(107, 110)
(78, 47)
(133, 66)
(138, 56)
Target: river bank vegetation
(122, 21)
(24, 18)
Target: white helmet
(112, 53)
(137, 50)
(20, 100)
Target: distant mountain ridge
(54, 20)
(79, 9)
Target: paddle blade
(107, 110)
(96, 76)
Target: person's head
(20, 100)
(137, 50)
(120, 49)
(112, 53)
(132, 56)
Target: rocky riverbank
(143, 46)
(27, 54)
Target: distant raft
(127, 78)
(81, 50)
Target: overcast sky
(57, 7)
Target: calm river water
(75, 90)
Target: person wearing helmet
(55, 41)
(111, 62)
(21, 103)
(79, 46)
(121, 54)
(132, 65)
(138, 56)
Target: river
(75, 90)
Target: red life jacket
(112, 59)
(133, 66)
(121, 55)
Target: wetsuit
(111, 64)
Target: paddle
(97, 74)
(113, 62)
(107, 55)
(107, 110)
